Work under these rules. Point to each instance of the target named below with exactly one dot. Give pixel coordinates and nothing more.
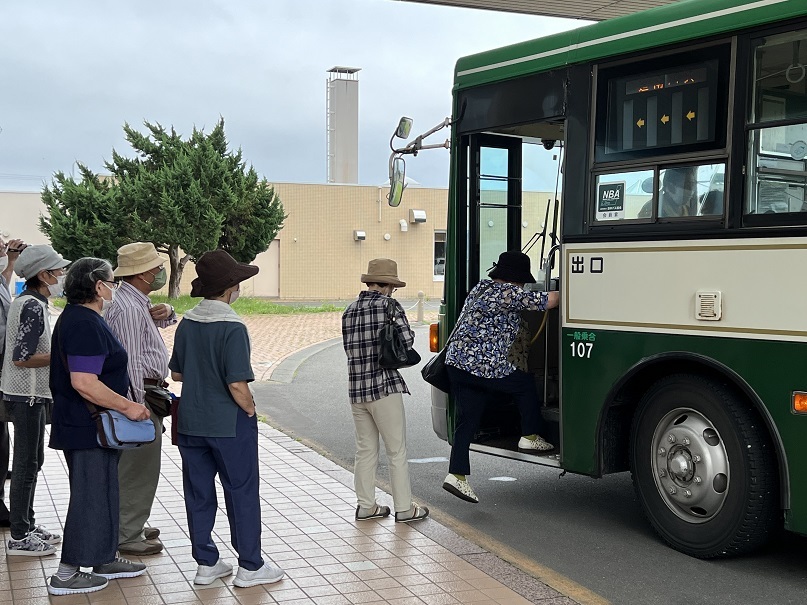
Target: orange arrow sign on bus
(665, 119)
(640, 122)
(690, 115)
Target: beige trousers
(387, 418)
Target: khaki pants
(387, 418)
(138, 476)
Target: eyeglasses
(112, 285)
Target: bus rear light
(434, 337)
(799, 402)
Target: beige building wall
(316, 255)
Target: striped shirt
(131, 322)
(361, 321)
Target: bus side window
(712, 204)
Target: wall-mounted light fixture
(359, 235)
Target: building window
(439, 255)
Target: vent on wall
(708, 306)
(417, 216)
(359, 235)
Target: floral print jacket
(488, 327)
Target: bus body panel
(641, 302)
(678, 22)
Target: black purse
(392, 350)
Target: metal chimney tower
(342, 123)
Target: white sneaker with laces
(460, 488)
(539, 444)
(265, 575)
(207, 574)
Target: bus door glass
(494, 201)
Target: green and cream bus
(676, 233)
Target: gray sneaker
(119, 568)
(79, 582)
(30, 546)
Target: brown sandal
(378, 512)
(418, 513)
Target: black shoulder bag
(392, 350)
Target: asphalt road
(589, 530)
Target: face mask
(57, 289)
(234, 296)
(105, 304)
(159, 280)
(3, 263)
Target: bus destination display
(661, 109)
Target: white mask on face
(57, 289)
(234, 296)
(3, 263)
(105, 304)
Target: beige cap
(136, 258)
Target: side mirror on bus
(397, 177)
(404, 128)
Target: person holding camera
(135, 321)
(9, 253)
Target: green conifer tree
(187, 196)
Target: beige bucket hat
(137, 258)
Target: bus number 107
(582, 349)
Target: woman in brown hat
(217, 426)
(478, 366)
(376, 395)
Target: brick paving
(308, 529)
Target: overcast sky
(71, 73)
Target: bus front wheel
(703, 467)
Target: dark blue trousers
(91, 527)
(471, 393)
(235, 460)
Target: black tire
(704, 468)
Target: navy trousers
(235, 460)
(91, 527)
(471, 393)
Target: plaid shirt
(361, 321)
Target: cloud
(73, 73)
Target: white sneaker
(207, 574)
(539, 444)
(460, 488)
(265, 575)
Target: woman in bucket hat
(376, 395)
(217, 429)
(478, 367)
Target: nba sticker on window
(610, 201)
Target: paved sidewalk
(309, 530)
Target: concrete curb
(287, 368)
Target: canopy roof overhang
(594, 10)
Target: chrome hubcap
(690, 465)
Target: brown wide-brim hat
(382, 271)
(217, 271)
